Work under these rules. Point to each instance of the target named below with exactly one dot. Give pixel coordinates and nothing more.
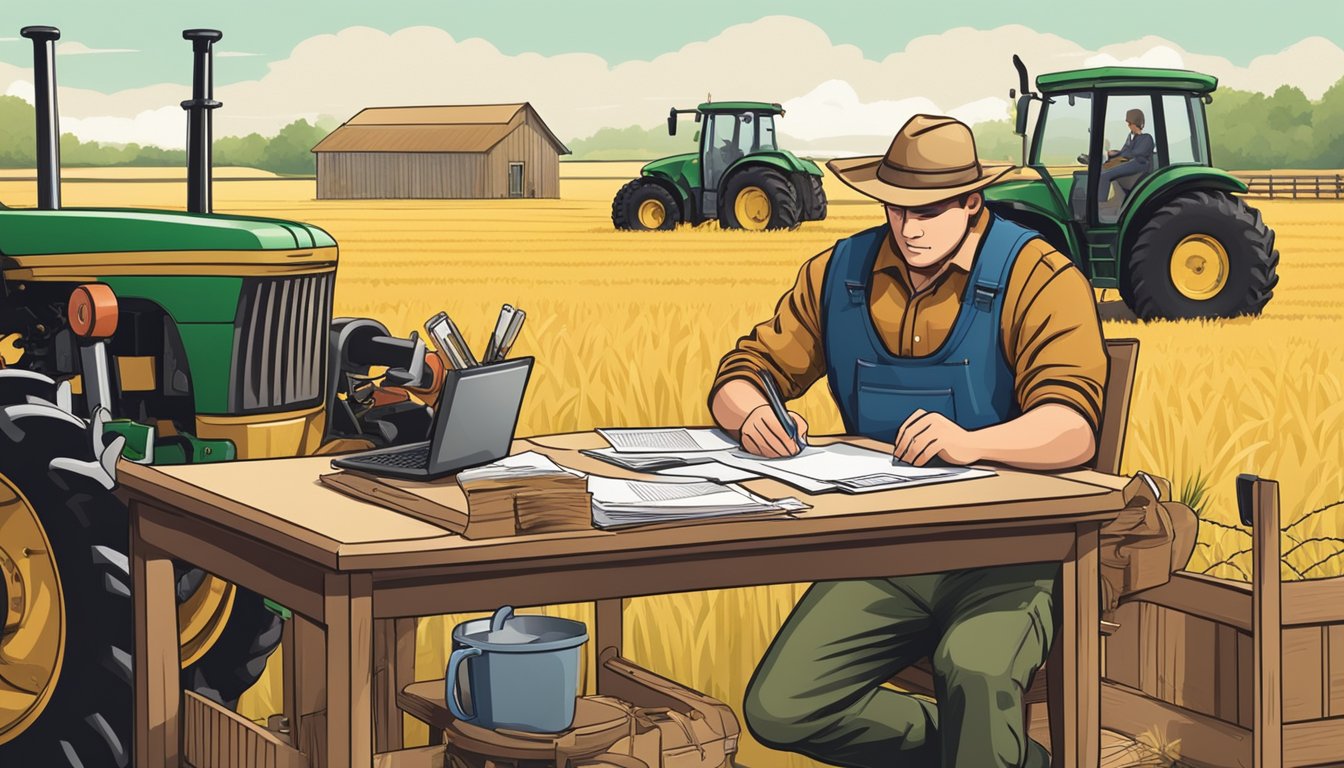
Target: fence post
(1271, 186)
(1294, 187)
(1266, 620)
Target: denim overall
(966, 379)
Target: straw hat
(932, 159)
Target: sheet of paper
(667, 440)
(710, 470)
(525, 464)
(645, 462)
(848, 467)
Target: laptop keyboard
(411, 458)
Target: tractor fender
(783, 160)
(1154, 190)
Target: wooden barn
(476, 151)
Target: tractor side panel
(204, 309)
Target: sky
(852, 66)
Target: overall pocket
(884, 402)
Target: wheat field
(627, 329)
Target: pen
(497, 338)
(777, 405)
(515, 325)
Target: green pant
(817, 691)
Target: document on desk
(667, 440)
(648, 462)
(848, 468)
(618, 503)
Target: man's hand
(1112, 153)
(926, 435)
(763, 435)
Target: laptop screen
(477, 414)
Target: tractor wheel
(1202, 254)
(644, 205)
(65, 651)
(757, 198)
(237, 657)
(816, 211)
(66, 639)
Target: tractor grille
(280, 342)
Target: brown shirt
(1051, 334)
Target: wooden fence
(1232, 674)
(1295, 186)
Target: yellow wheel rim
(1199, 267)
(32, 641)
(652, 214)
(201, 618)
(752, 208)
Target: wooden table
(356, 575)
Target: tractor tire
(759, 198)
(238, 658)
(1201, 255)
(86, 721)
(87, 717)
(817, 210)
(644, 205)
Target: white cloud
(76, 48)
(21, 88)
(830, 90)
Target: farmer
(951, 334)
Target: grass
(627, 329)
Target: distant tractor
(739, 176)
(1175, 240)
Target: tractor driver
(1013, 376)
(1136, 154)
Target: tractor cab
(739, 176)
(1119, 176)
(731, 131)
(1084, 124)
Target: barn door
(515, 179)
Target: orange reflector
(93, 311)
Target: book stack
(623, 503)
(537, 494)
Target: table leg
(1075, 704)
(394, 669)
(158, 685)
(609, 629)
(349, 624)
(306, 686)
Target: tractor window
(1184, 144)
(1064, 137)
(1118, 108)
(721, 147)
(765, 130)
(746, 135)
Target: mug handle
(502, 615)
(455, 661)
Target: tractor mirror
(1072, 101)
(1023, 106)
(672, 123)
(1208, 98)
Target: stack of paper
(618, 503)
(539, 494)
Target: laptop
(473, 424)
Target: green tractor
(739, 176)
(1176, 240)
(164, 338)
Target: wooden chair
(1122, 359)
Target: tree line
(287, 152)
(1248, 131)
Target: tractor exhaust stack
(48, 126)
(200, 134)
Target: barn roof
(461, 128)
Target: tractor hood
(30, 232)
